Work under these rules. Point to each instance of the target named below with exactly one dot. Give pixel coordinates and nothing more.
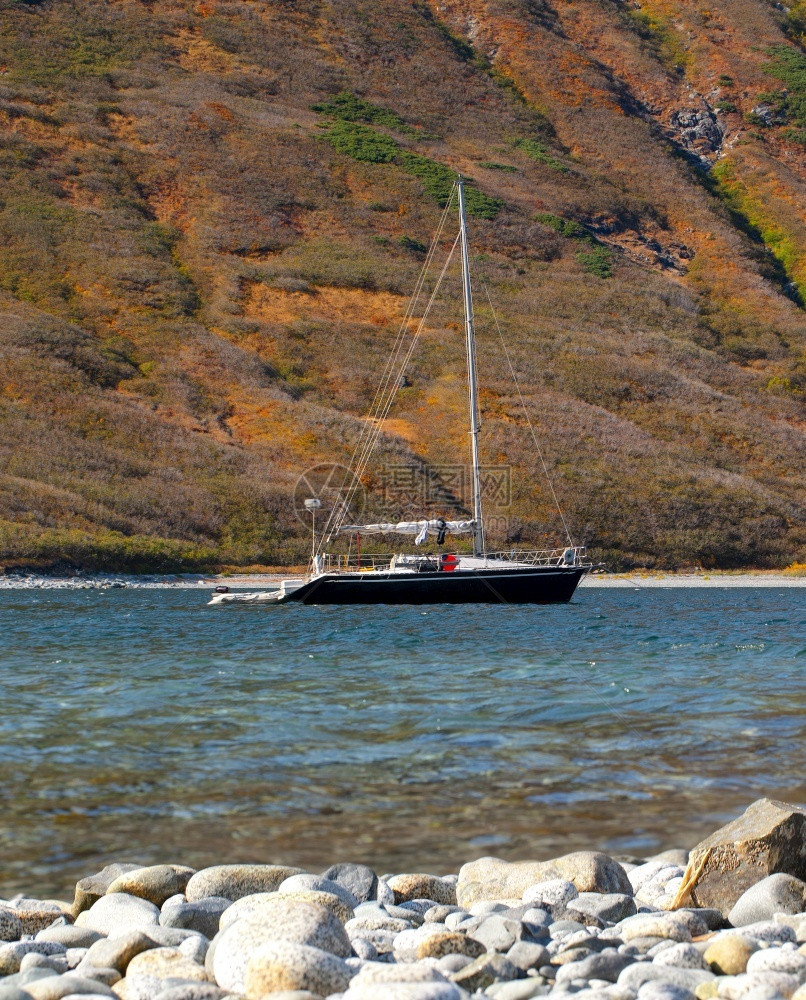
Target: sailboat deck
(406, 564)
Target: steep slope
(212, 215)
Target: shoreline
(634, 580)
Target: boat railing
(571, 555)
(353, 562)
(366, 562)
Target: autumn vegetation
(212, 214)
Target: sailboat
(505, 577)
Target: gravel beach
(725, 920)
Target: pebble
(202, 916)
(10, 925)
(315, 883)
(778, 893)
(681, 955)
(58, 963)
(11, 954)
(447, 942)
(263, 902)
(645, 925)
(359, 880)
(148, 972)
(635, 975)
(607, 965)
(117, 952)
(779, 960)
(552, 895)
(484, 971)
(736, 987)
(297, 923)
(497, 932)
(59, 987)
(406, 991)
(155, 883)
(118, 914)
(527, 955)
(421, 886)
(287, 965)
(771, 932)
(235, 881)
(728, 955)
(655, 990)
(608, 907)
(90, 889)
(203, 991)
(70, 936)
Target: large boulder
(768, 837)
(494, 879)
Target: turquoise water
(142, 725)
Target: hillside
(212, 215)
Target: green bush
(349, 108)
(415, 246)
(489, 165)
(565, 227)
(537, 150)
(597, 260)
(362, 143)
(789, 66)
(726, 106)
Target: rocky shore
(725, 920)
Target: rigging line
(378, 399)
(388, 383)
(410, 309)
(397, 346)
(528, 418)
(377, 429)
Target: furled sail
(418, 528)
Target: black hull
(537, 585)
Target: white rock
(778, 960)
(119, 914)
(552, 894)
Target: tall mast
(470, 333)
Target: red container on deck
(448, 562)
